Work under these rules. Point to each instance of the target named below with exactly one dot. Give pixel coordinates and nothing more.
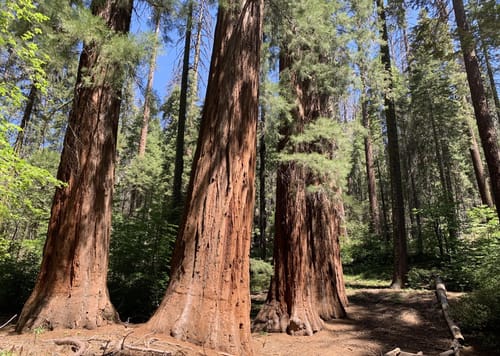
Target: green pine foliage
(328, 142)
(438, 127)
(260, 275)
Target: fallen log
(443, 300)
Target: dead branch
(7, 322)
(443, 300)
(78, 345)
(454, 349)
(397, 352)
(121, 343)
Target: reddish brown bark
(477, 163)
(484, 118)
(71, 287)
(207, 301)
(308, 284)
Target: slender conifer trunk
(477, 163)
(28, 110)
(181, 124)
(149, 87)
(262, 187)
(370, 167)
(484, 118)
(398, 213)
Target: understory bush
(139, 267)
(19, 267)
(478, 313)
(260, 275)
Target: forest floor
(379, 320)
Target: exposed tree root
(271, 319)
(7, 322)
(78, 348)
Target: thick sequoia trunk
(398, 215)
(308, 284)
(325, 215)
(208, 301)
(71, 287)
(484, 118)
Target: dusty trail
(379, 320)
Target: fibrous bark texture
(308, 284)
(208, 299)
(71, 287)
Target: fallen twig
(122, 342)
(397, 352)
(7, 322)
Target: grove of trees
(307, 139)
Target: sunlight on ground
(356, 281)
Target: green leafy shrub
(422, 277)
(479, 263)
(260, 275)
(18, 272)
(479, 314)
(140, 253)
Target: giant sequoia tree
(308, 284)
(71, 287)
(207, 301)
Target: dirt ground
(379, 320)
